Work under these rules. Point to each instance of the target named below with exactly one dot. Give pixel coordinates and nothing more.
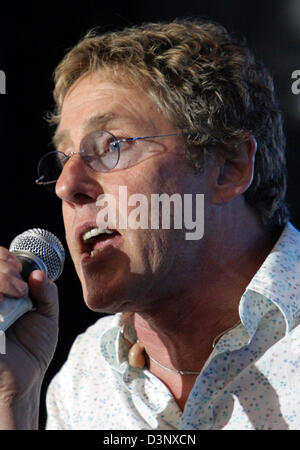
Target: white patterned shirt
(250, 381)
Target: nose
(77, 183)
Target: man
(202, 333)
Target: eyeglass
(100, 150)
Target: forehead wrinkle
(92, 123)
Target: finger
(7, 256)
(9, 268)
(13, 286)
(45, 293)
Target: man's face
(138, 268)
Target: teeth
(95, 252)
(95, 232)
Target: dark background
(33, 39)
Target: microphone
(37, 249)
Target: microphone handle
(12, 309)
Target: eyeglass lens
(99, 150)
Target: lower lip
(105, 246)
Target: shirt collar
(276, 282)
(113, 346)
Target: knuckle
(14, 260)
(9, 270)
(10, 262)
(4, 253)
(9, 282)
(53, 287)
(5, 277)
(52, 291)
(5, 281)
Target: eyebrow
(90, 124)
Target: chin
(110, 285)
(109, 299)
(105, 278)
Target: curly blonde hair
(207, 82)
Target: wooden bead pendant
(136, 357)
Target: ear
(235, 169)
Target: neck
(185, 340)
(180, 332)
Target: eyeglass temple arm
(149, 137)
(39, 181)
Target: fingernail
(20, 286)
(40, 276)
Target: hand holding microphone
(35, 249)
(30, 339)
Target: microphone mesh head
(43, 245)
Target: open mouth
(96, 239)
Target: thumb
(43, 293)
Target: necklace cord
(136, 355)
